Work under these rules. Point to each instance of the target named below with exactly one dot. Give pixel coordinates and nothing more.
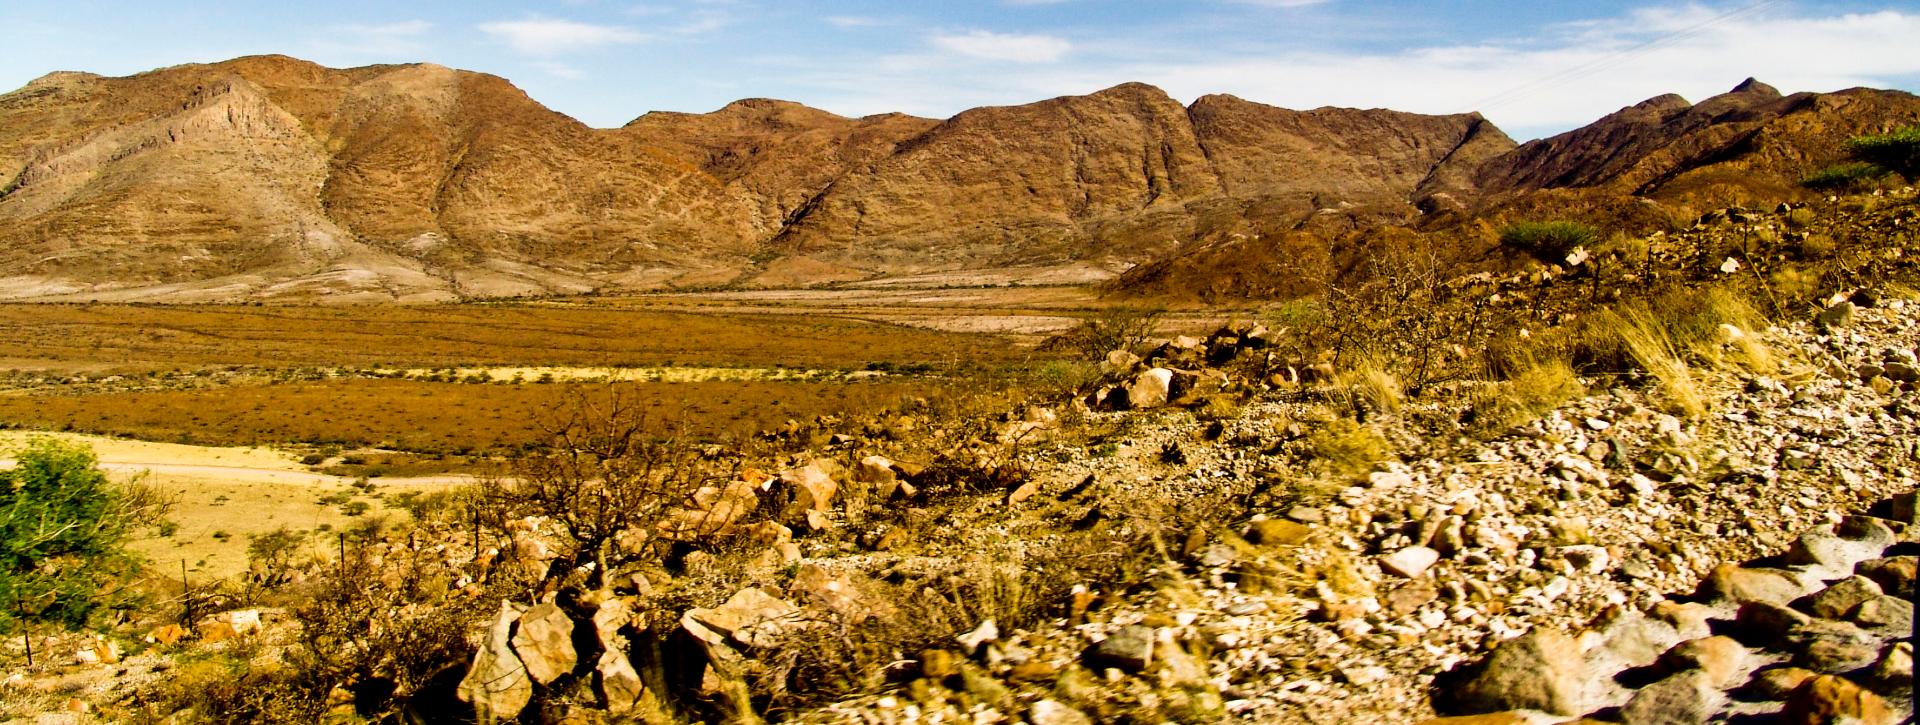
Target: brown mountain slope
(1123, 174)
(274, 177)
(1665, 147)
(1013, 185)
(778, 154)
(1647, 166)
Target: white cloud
(1553, 79)
(1010, 47)
(560, 70)
(402, 29)
(853, 21)
(1282, 3)
(548, 36)
(399, 40)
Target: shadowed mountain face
(274, 177)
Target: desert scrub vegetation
(1345, 448)
(1532, 385)
(1109, 329)
(1874, 156)
(63, 533)
(449, 419)
(1548, 241)
(1895, 152)
(1846, 176)
(172, 337)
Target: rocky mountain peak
(1753, 86)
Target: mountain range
(272, 177)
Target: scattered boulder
(1539, 670)
(1740, 585)
(1130, 649)
(1686, 697)
(496, 684)
(1150, 389)
(544, 642)
(1825, 699)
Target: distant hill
(272, 177)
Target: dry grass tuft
(1537, 385)
(1724, 330)
(1368, 386)
(1650, 341)
(1347, 449)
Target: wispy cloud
(560, 70)
(401, 38)
(853, 21)
(1281, 3)
(550, 36)
(1550, 79)
(1010, 47)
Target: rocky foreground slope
(1153, 553)
(278, 178)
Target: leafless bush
(1113, 328)
(600, 474)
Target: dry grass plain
(431, 417)
(221, 402)
(226, 494)
(134, 338)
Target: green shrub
(1548, 241)
(1897, 152)
(1841, 177)
(63, 532)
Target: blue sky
(1535, 68)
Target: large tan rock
(1540, 670)
(715, 510)
(877, 472)
(1149, 389)
(1828, 699)
(813, 488)
(751, 617)
(496, 684)
(544, 642)
(1740, 585)
(1721, 658)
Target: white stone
(1410, 562)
